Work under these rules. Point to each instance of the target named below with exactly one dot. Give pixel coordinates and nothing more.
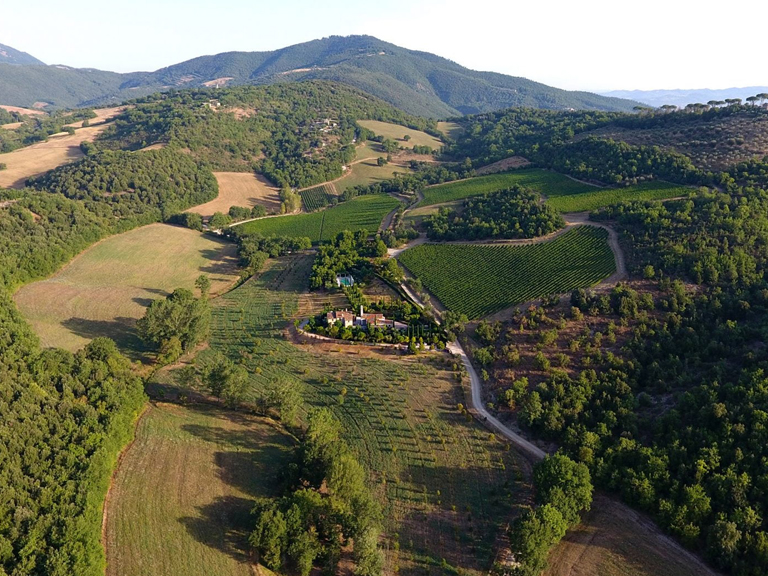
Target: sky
(595, 45)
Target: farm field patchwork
(608, 196)
(240, 189)
(104, 290)
(478, 280)
(396, 133)
(181, 498)
(361, 213)
(542, 181)
(447, 485)
(43, 156)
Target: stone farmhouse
(363, 320)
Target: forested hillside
(295, 134)
(416, 82)
(692, 146)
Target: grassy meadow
(361, 213)
(479, 280)
(447, 486)
(181, 498)
(396, 132)
(542, 181)
(369, 172)
(104, 290)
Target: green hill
(15, 57)
(416, 82)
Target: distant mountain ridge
(680, 98)
(15, 57)
(417, 82)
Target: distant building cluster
(363, 320)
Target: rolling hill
(15, 57)
(416, 82)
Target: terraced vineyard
(542, 181)
(361, 213)
(318, 197)
(480, 279)
(447, 486)
(608, 196)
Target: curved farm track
(613, 539)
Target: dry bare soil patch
(181, 497)
(39, 158)
(241, 189)
(104, 290)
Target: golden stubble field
(39, 158)
(104, 290)
(244, 189)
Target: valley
(294, 329)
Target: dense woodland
(512, 213)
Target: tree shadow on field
(255, 462)
(144, 302)
(221, 262)
(224, 525)
(122, 330)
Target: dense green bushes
(135, 188)
(512, 213)
(563, 491)
(327, 503)
(64, 419)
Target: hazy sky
(575, 44)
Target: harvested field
(39, 158)
(104, 290)
(27, 111)
(181, 498)
(614, 541)
(102, 115)
(241, 189)
(396, 133)
(511, 163)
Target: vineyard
(478, 280)
(361, 213)
(447, 486)
(542, 181)
(318, 197)
(608, 196)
